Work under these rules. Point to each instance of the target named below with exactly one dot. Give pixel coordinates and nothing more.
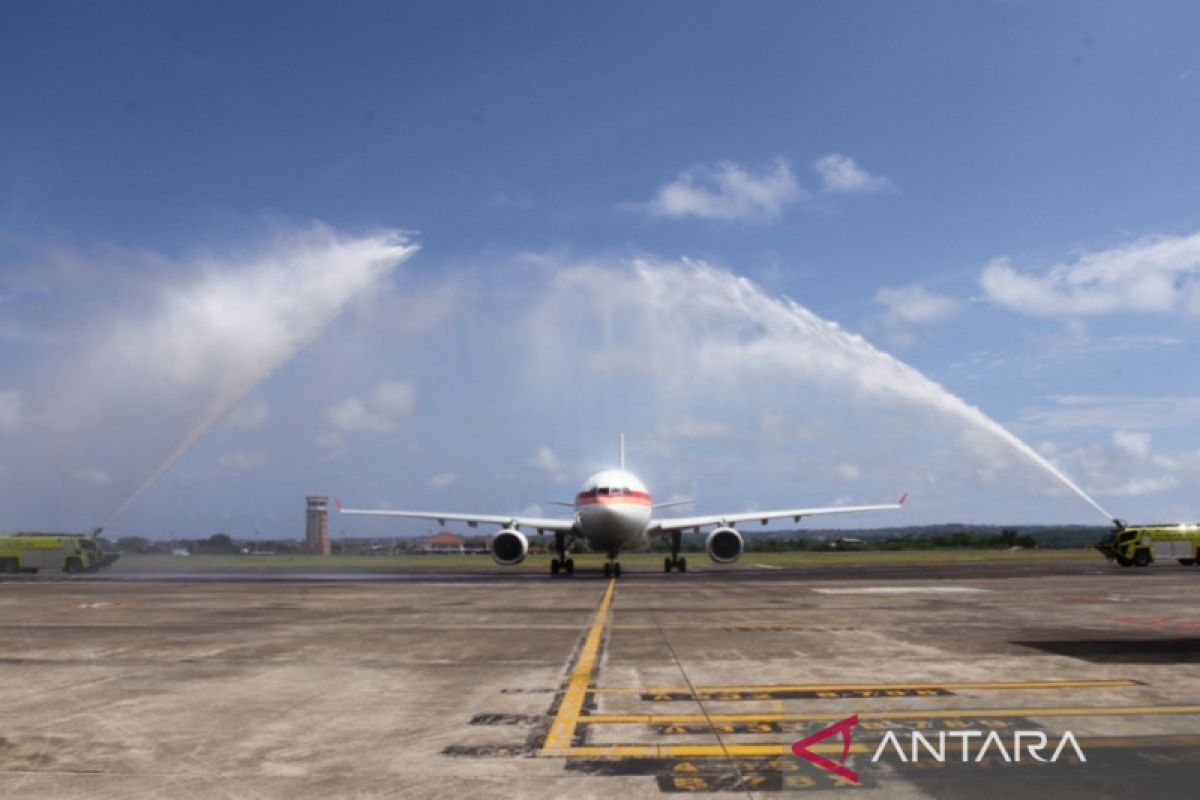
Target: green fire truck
(31, 552)
(1140, 545)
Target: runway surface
(515, 685)
(746, 569)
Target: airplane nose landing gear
(611, 568)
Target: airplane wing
(473, 520)
(682, 523)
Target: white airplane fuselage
(612, 511)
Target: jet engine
(509, 547)
(724, 545)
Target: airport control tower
(316, 527)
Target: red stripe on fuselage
(633, 498)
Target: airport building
(316, 527)
(445, 542)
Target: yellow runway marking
(562, 730)
(570, 711)
(867, 687)
(928, 713)
(753, 750)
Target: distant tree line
(224, 544)
(933, 538)
(217, 544)
(972, 540)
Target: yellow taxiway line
(869, 687)
(928, 713)
(562, 729)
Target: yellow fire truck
(30, 552)
(1139, 545)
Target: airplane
(614, 513)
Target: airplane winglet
(903, 499)
(337, 504)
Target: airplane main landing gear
(562, 563)
(674, 561)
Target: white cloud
(388, 405)
(243, 461)
(1151, 275)
(1119, 470)
(727, 191)
(1115, 412)
(10, 412)
(248, 415)
(848, 472)
(1134, 444)
(331, 444)
(546, 460)
(840, 174)
(916, 304)
(1138, 487)
(443, 480)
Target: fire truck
(31, 552)
(1141, 545)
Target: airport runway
(746, 569)
(503, 685)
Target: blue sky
(999, 194)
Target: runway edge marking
(562, 729)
